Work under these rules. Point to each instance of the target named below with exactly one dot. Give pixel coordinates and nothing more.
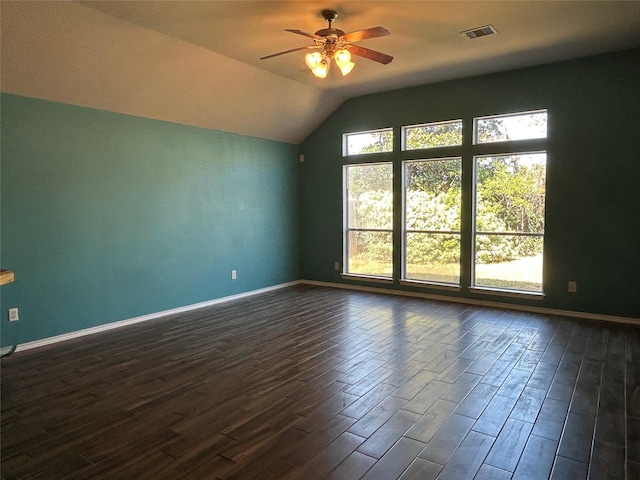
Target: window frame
(476, 142)
(346, 229)
(474, 287)
(404, 279)
(468, 151)
(405, 128)
(345, 141)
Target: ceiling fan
(332, 43)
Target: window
(368, 219)
(500, 250)
(517, 126)
(373, 141)
(509, 221)
(432, 135)
(509, 205)
(432, 194)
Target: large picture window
(368, 218)
(509, 221)
(484, 230)
(432, 193)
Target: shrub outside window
(368, 218)
(509, 221)
(432, 196)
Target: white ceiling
(198, 62)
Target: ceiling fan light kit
(337, 46)
(319, 63)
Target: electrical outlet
(336, 265)
(573, 287)
(13, 315)
(234, 275)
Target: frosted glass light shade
(343, 57)
(345, 69)
(321, 69)
(343, 60)
(313, 59)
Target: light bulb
(321, 69)
(313, 59)
(342, 57)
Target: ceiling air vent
(480, 31)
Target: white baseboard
(482, 303)
(144, 318)
(429, 296)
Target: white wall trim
(483, 303)
(144, 318)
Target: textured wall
(107, 217)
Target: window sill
(437, 286)
(507, 293)
(367, 278)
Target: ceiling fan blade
(370, 54)
(372, 32)
(306, 34)
(289, 51)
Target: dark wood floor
(311, 383)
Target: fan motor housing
(330, 32)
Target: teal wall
(107, 217)
(593, 173)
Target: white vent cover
(480, 31)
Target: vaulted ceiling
(198, 62)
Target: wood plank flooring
(312, 383)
